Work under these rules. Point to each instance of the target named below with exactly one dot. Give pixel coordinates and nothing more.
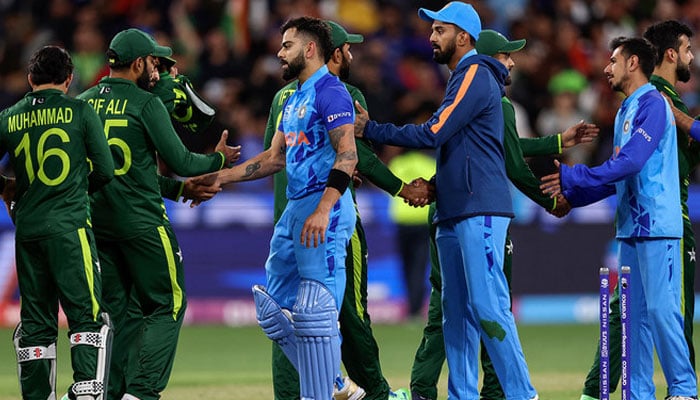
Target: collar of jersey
(637, 93)
(313, 78)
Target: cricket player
(430, 355)
(473, 204)
(643, 173)
(674, 57)
(360, 352)
(306, 266)
(137, 246)
(54, 142)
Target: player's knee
(315, 312)
(274, 320)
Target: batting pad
(41, 354)
(316, 327)
(276, 323)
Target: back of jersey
(131, 202)
(45, 136)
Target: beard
(683, 71)
(144, 80)
(344, 72)
(508, 80)
(444, 56)
(294, 68)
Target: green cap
(133, 43)
(491, 43)
(567, 81)
(339, 36)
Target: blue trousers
(290, 261)
(656, 319)
(476, 305)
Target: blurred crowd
(228, 49)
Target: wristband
(338, 180)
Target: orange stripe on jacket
(445, 114)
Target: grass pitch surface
(217, 363)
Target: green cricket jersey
(688, 151)
(368, 163)
(516, 148)
(50, 137)
(137, 125)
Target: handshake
(418, 193)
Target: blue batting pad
(316, 326)
(276, 324)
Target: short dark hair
(639, 47)
(119, 65)
(666, 35)
(50, 64)
(317, 29)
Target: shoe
(349, 391)
(416, 396)
(680, 398)
(535, 398)
(400, 394)
(587, 397)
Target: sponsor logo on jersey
(296, 139)
(645, 135)
(333, 117)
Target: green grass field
(218, 363)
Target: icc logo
(604, 283)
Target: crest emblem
(626, 126)
(302, 112)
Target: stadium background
(228, 49)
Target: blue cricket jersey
(643, 170)
(318, 106)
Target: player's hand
(314, 230)
(418, 193)
(579, 133)
(361, 118)
(563, 207)
(200, 189)
(551, 184)
(231, 153)
(356, 178)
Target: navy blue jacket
(467, 130)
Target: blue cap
(455, 12)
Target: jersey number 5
(121, 144)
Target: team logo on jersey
(302, 112)
(626, 127)
(38, 100)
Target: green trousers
(60, 269)
(359, 349)
(430, 356)
(144, 294)
(592, 385)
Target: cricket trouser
(359, 349)
(59, 269)
(430, 356)
(476, 304)
(149, 267)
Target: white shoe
(680, 398)
(350, 391)
(535, 398)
